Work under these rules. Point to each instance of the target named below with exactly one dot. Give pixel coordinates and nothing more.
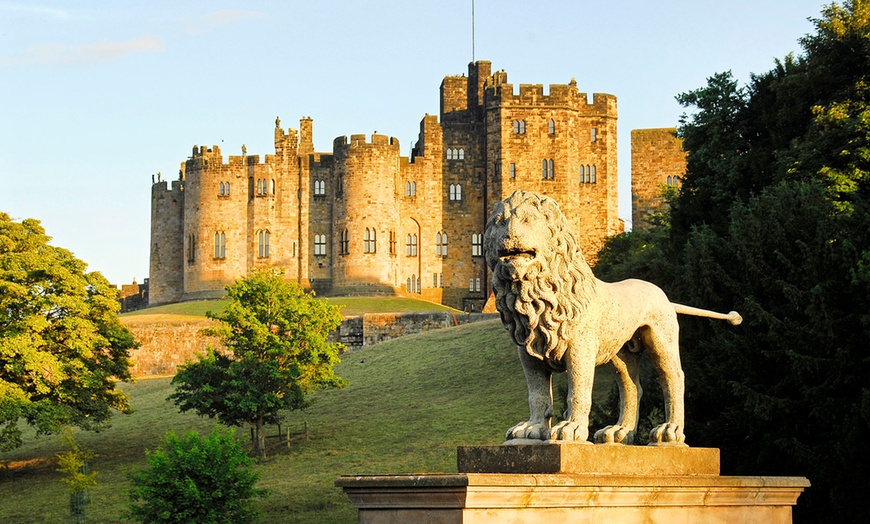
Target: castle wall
(657, 156)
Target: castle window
(471, 284)
(191, 248)
(434, 279)
(319, 245)
(516, 127)
(455, 192)
(345, 243)
(413, 188)
(669, 180)
(594, 178)
(441, 244)
(408, 285)
(476, 245)
(221, 191)
(552, 170)
(319, 188)
(587, 175)
(513, 170)
(294, 249)
(220, 245)
(339, 186)
(418, 285)
(273, 186)
(551, 127)
(477, 284)
(263, 244)
(411, 246)
(392, 242)
(227, 188)
(410, 189)
(370, 241)
(547, 169)
(519, 127)
(449, 154)
(594, 134)
(461, 154)
(440, 279)
(582, 174)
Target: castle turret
(366, 211)
(167, 245)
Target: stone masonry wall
(656, 156)
(170, 343)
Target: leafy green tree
(62, 347)
(277, 351)
(78, 476)
(207, 480)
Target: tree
(774, 220)
(62, 347)
(277, 351)
(194, 479)
(78, 476)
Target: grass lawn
(409, 404)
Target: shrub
(207, 480)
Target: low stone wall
(167, 344)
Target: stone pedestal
(575, 483)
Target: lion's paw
(527, 431)
(667, 434)
(570, 431)
(615, 434)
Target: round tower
(366, 213)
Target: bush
(207, 480)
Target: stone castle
(363, 219)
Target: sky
(97, 96)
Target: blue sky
(96, 96)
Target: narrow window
(449, 154)
(516, 127)
(366, 240)
(407, 189)
(434, 279)
(260, 244)
(220, 245)
(594, 180)
(438, 245)
(413, 245)
(345, 242)
(582, 174)
(552, 170)
(408, 285)
(477, 284)
(221, 191)
(594, 134)
(471, 284)
(273, 186)
(513, 170)
(551, 128)
(476, 245)
(294, 249)
(440, 279)
(392, 242)
(191, 248)
(544, 174)
(227, 188)
(444, 244)
(408, 246)
(373, 243)
(452, 192)
(418, 285)
(522, 127)
(669, 180)
(461, 154)
(413, 188)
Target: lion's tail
(733, 317)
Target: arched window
(594, 134)
(513, 170)
(408, 285)
(477, 284)
(438, 245)
(522, 127)
(319, 187)
(551, 127)
(461, 154)
(582, 174)
(458, 191)
(263, 244)
(449, 154)
(594, 178)
(452, 192)
(552, 170)
(418, 284)
(273, 186)
(413, 188)
(441, 244)
(669, 180)
(221, 190)
(455, 192)
(544, 174)
(516, 127)
(220, 245)
(370, 241)
(407, 189)
(227, 188)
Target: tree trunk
(261, 438)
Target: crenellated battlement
(559, 95)
(360, 141)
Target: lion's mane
(538, 310)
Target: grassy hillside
(410, 402)
(351, 306)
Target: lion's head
(539, 275)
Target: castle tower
(166, 276)
(365, 212)
(657, 162)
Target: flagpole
(472, 31)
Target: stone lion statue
(562, 318)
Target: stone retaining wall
(170, 343)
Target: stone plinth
(642, 494)
(587, 459)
